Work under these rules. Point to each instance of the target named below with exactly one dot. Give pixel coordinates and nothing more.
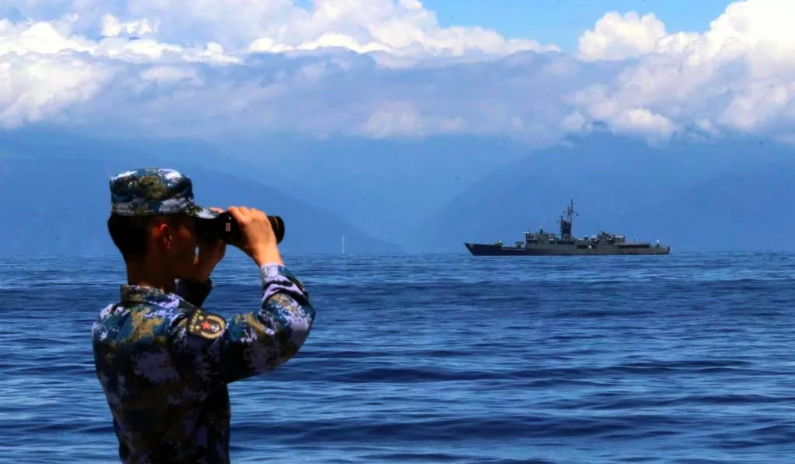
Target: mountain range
(56, 197)
(413, 196)
(694, 196)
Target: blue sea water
(686, 358)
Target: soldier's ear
(163, 234)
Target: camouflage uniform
(164, 362)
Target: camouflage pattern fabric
(164, 363)
(154, 191)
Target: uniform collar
(150, 296)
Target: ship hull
(566, 250)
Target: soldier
(162, 360)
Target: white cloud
(395, 121)
(39, 37)
(617, 37)
(641, 121)
(29, 93)
(112, 27)
(761, 104)
(402, 27)
(386, 68)
(403, 120)
(576, 123)
(170, 74)
(118, 36)
(57, 37)
(738, 76)
(332, 39)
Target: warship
(543, 243)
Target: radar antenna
(565, 224)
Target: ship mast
(565, 224)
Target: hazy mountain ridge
(57, 199)
(383, 187)
(726, 195)
(671, 193)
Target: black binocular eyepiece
(226, 228)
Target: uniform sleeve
(210, 349)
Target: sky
(534, 71)
(562, 21)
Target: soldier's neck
(147, 274)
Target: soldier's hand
(256, 235)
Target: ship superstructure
(547, 243)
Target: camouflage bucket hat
(154, 191)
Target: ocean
(685, 358)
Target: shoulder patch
(206, 325)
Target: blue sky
(562, 21)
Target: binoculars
(226, 228)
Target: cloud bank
(735, 77)
(387, 69)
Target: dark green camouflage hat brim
(154, 191)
